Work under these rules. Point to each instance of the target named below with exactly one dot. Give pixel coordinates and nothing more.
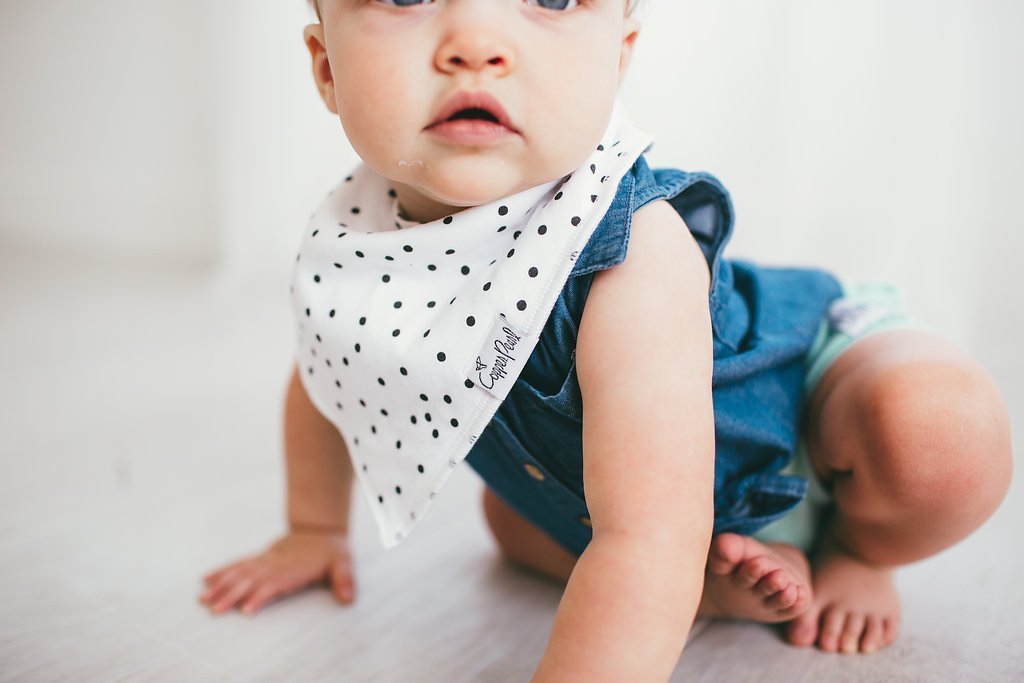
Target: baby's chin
(470, 187)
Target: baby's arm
(644, 362)
(316, 546)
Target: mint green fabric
(865, 308)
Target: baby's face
(387, 67)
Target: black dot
(450, 252)
(542, 229)
(469, 384)
(441, 356)
(447, 398)
(389, 258)
(412, 419)
(331, 313)
(364, 467)
(392, 194)
(487, 286)
(533, 272)
(398, 489)
(398, 444)
(407, 248)
(395, 332)
(311, 369)
(373, 428)
(398, 304)
(403, 371)
(575, 220)
(356, 439)
(447, 220)
(328, 361)
(383, 412)
(362, 321)
(380, 381)
(423, 397)
(426, 416)
(465, 270)
(307, 312)
(516, 234)
(510, 252)
(502, 228)
(419, 467)
(380, 498)
(344, 360)
(355, 209)
(315, 233)
(431, 266)
(600, 148)
(435, 433)
(558, 196)
(471, 321)
(426, 333)
(316, 278)
(337, 383)
(455, 423)
(337, 265)
(593, 168)
(431, 304)
(359, 254)
(318, 338)
(502, 210)
(386, 278)
(453, 300)
(521, 305)
(362, 403)
(357, 348)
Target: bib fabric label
(854, 317)
(500, 358)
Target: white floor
(140, 447)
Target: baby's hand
(292, 562)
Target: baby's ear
(630, 30)
(314, 37)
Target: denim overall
(764, 321)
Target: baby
(672, 434)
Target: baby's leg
(912, 437)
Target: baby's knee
(940, 438)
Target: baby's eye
(403, 3)
(557, 4)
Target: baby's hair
(630, 6)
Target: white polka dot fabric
(412, 334)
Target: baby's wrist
(303, 527)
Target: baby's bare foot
(746, 579)
(855, 607)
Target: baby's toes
(803, 630)
(772, 582)
(831, 628)
(785, 598)
(726, 552)
(873, 634)
(849, 642)
(890, 627)
(753, 570)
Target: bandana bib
(412, 334)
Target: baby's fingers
(221, 582)
(263, 594)
(233, 593)
(342, 581)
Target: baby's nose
(477, 49)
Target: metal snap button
(533, 471)
(585, 521)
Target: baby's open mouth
(473, 113)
